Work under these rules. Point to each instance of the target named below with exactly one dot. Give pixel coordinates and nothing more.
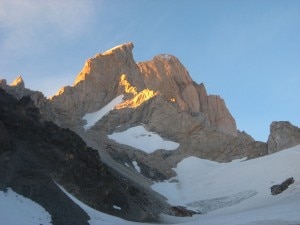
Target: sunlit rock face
(282, 135)
(17, 87)
(18, 82)
(98, 83)
(115, 72)
(165, 73)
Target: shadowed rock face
(282, 135)
(34, 155)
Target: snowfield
(92, 118)
(138, 137)
(16, 209)
(235, 193)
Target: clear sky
(246, 51)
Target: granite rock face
(115, 72)
(282, 135)
(167, 75)
(97, 84)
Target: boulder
(279, 188)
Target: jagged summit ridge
(125, 48)
(107, 75)
(121, 54)
(166, 74)
(98, 82)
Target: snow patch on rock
(92, 118)
(138, 137)
(136, 166)
(117, 207)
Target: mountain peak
(126, 47)
(165, 57)
(18, 82)
(118, 59)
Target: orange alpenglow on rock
(128, 88)
(172, 100)
(18, 82)
(139, 99)
(136, 98)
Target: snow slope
(99, 218)
(16, 209)
(237, 192)
(138, 137)
(92, 118)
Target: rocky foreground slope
(159, 95)
(36, 156)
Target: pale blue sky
(248, 51)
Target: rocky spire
(18, 82)
(165, 73)
(16, 88)
(120, 55)
(98, 82)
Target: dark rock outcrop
(279, 188)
